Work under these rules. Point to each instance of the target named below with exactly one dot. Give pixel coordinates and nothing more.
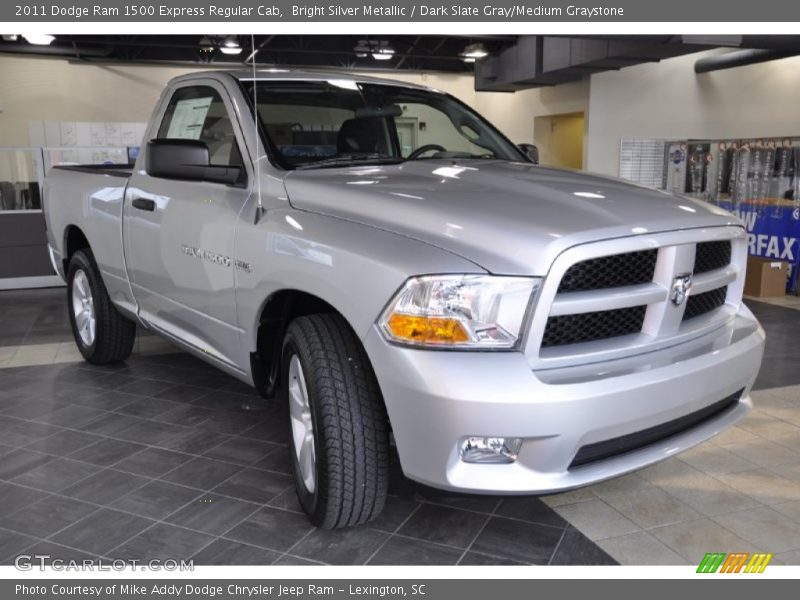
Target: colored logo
(737, 562)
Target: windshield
(320, 124)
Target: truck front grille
(617, 296)
(704, 303)
(588, 327)
(711, 256)
(634, 441)
(617, 270)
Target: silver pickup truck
(383, 260)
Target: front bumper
(436, 398)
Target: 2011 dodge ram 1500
(387, 263)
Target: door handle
(144, 204)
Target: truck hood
(507, 217)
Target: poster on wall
(675, 168)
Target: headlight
(459, 311)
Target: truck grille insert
(634, 441)
(618, 270)
(587, 327)
(711, 256)
(704, 303)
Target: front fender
(354, 268)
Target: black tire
(114, 333)
(350, 426)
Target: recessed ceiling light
(475, 51)
(39, 39)
(231, 46)
(383, 54)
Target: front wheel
(339, 430)
(101, 333)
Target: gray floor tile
(279, 460)
(193, 441)
(443, 525)
(213, 514)
(352, 546)
(202, 473)
(17, 462)
(484, 560)
(255, 485)
(291, 560)
(47, 516)
(149, 432)
(530, 509)
(13, 497)
(408, 551)
(527, 542)
(57, 474)
(106, 452)
(243, 451)
(63, 442)
(105, 486)
(110, 423)
(58, 552)
(155, 500)
(162, 542)
(226, 552)
(152, 462)
(11, 544)
(16, 432)
(102, 531)
(272, 528)
(187, 415)
(146, 408)
(395, 512)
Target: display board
(93, 142)
(642, 160)
(758, 179)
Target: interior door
(179, 235)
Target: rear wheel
(338, 426)
(101, 333)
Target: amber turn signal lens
(427, 330)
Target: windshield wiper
(352, 159)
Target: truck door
(179, 235)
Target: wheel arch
(74, 240)
(275, 314)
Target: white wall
(669, 100)
(48, 89)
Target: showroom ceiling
(501, 62)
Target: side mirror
(531, 151)
(187, 160)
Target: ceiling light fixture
(383, 54)
(39, 39)
(475, 51)
(206, 45)
(10, 38)
(231, 46)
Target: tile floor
(158, 458)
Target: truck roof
(279, 73)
